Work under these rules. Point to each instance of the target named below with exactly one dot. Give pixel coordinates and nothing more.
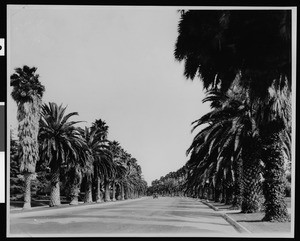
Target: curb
(210, 205)
(47, 209)
(235, 224)
(230, 220)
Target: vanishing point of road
(165, 216)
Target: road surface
(165, 216)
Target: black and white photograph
(150, 121)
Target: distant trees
(16, 183)
(172, 184)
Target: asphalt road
(165, 216)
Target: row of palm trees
(243, 58)
(227, 157)
(172, 184)
(84, 155)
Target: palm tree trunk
(229, 194)
(122, 192)
(127, 193)
(238, 187)
(113, 191)
(75, 185)
(126, 196)
(88, 192)
(27, 192)
(55, 189)
(74, 194)
(223, 199)
(217, 193)
(228, 188)
(107, 191)
(118, 191)
(200, 190)
(273, 188)
(98, 190)
(251, 180)
(210, 193)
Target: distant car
(155, 195)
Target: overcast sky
(117, 64)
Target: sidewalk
(250, 224)
(45, 208)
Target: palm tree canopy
(100, 161)
(217, 45)
(26, 84)
(101, 127)
(219, 145)
(27, 92)
(60, 140)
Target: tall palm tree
(133, 177)
(225, 141)
(103, 165)
(78, 169)
(101, 127)
(99, 162)
(118, 176)
(61, 144)
(275, 121)
(119, 161)
(27, 92)
(130, 176)
(120, 169)
(218, 45)
(74, 179)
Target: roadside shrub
(16, 183)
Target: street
(165, 216)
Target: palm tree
(99, 162)
(74, 176)
(118, 177)
(275, 121)
(219, 45)
(224, 143)
(133, 178)
(120, 159)
(27, 92)
(103, 165)
(61, 144)
(101, 127)
(130, 176)
(76, 171)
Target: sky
(115, 63)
